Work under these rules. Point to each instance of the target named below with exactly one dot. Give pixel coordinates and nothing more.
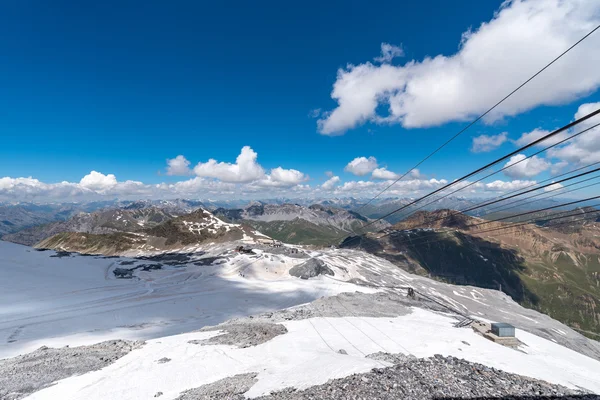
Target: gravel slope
(25, 374)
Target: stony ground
(244, 335)
(410, 378)
(22, 375)
(383, 304)
(229, 388)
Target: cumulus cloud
(178, 166)
(485, 143)
(401, 188)
(214, 179)
(553, 187)
(520, 167)
(415, 173)
(558, 167)
(280, 177)
(585, 148)
(500, 54)
(503, 186)
(98, 181)
(537, 133)
(361, 166)
(389, 52)
(30, 189)
(288, 176)
(245, 168)
(26, 189)
(331, 183)
(384, 173)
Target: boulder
(311, 268)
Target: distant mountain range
(290, 223)
(183, 233)
(16, 217)
(297, 224)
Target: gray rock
(26, 374)
(232, 388)
(244, 334)
(311, 268)
(431, 378)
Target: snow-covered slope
(46, 300)
(55, 301)
(303, 357)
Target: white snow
(307, 355)
(77, 300)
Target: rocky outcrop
(311, 268)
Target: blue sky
(120, 87)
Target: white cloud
(25, 189)
(244, 179)
(280, 177)
(401, 188)
(178, 166)
(245, 169)
(585, 148)
(537, 133)
(485, 143)
(288, 176)
(389, 52)
(554, 187)
(415, 173)
(503, 186)
(384, 173)
(361, 166)
(558, 167)
(501, 54)
(198, 186)
(331, 183)
(98, 181)
(30, 189)
(352, 186)
(525, 168)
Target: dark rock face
(311, 268)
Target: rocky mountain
(136, 237)
(293, 223)
(383, 207)
(128, 219)
(14, 217)
(553, 269)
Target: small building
(502, 329)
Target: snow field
(308, 355)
